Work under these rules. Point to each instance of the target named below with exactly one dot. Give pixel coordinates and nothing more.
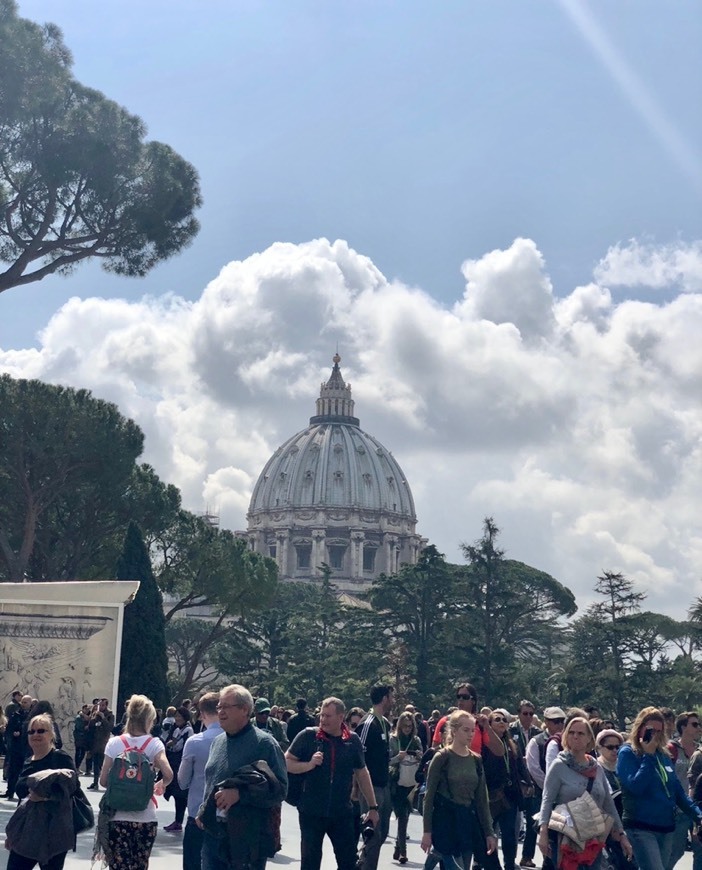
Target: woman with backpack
(126, 835)
(457, 822)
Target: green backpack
(130, 782)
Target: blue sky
(420, 133)
(517, 290)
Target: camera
(647, 735)
(367, 831)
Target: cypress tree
(144, 663)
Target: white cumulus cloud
(575, 421)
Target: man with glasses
(522, 731)
(681, 749)
(240, 745)
(467, 700)
(554, 719)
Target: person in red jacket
(467, 701)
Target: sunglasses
(526, 713)
(615, 748)
(498, 719)
(557, 721)
(37, 731)
(466, 697)
(694, 724)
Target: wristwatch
(373, 808)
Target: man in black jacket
(300, 720)
(329, 757)
(521, 732)
(17, 744)
(374, 732)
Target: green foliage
(77, 179)
(144, 663)
(209, 572)
(512, 614)
(67, 477)
(416, 609)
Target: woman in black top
(45, 756)
(504, 775)
(179, 732)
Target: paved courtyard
(167, 849)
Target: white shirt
(115, 747)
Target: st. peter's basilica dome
(333, 493)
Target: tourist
(175, 741)
(100, 725)
(374, 732)
(330, 759)
(574, 772)
(522, 731)
(126, 837)
(299, 720)
(239, 746)
(405, 753)
(191, 776)
(505, 773)
(457, 822)
(608, 742)
(651, 792)
(682, 749)
(16, 736)
(48, 831)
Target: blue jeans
(651, 849)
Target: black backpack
(296, 781)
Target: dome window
(369, 559)
(338, 475)
(336, 556)
(367, 479)
(304, 555)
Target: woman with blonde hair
(457, 822)
(574, 772)
(126, 837)
(48, 832)
(405, 752)
(651, 792)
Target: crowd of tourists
(574, 790)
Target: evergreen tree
(144, 664)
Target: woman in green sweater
(457, 821)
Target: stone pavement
(167, 851)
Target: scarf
(587, 768)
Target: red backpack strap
(145, 744)
(125, 741)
